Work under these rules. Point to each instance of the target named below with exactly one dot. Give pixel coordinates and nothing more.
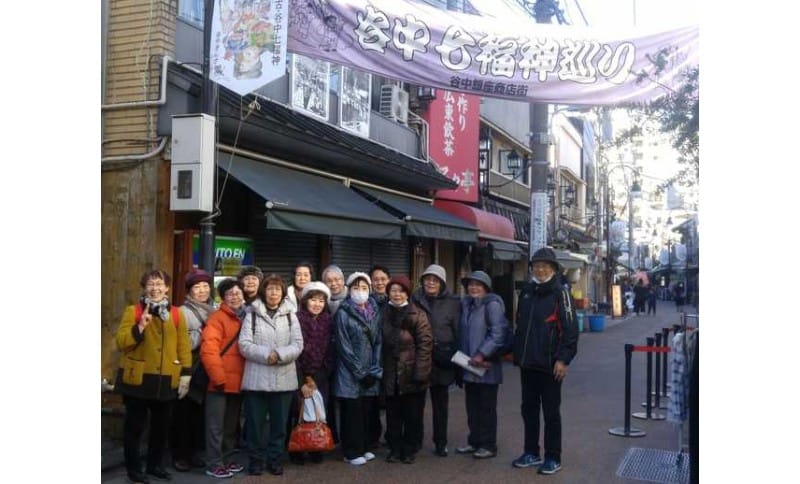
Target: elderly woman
(219, 353)
(187, 437)
(407, 346)
(358, 368)
(443, 310)
(313, 371)
(303, 274)
(333, 277)
(250, 277)
(482, 331)
(271, 341)
(156, 361)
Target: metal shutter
(354, 254)
(280, 250)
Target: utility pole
(207, 256)
(543, 11)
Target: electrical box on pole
(192, 171)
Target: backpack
(173, 310)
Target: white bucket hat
(316, 286)
(358, 275)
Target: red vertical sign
(454, 122)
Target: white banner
(248, 43)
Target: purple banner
(521, 60)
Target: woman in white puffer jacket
(270, 341)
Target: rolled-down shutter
(354, 254)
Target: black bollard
(664, 393)
(660, 357)
(649, 415)
(627, 430)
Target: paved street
(592, 402)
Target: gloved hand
(183, 386)
(367, 382)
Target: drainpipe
(137, 104)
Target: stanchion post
(665, 332)
(658, 371)
(627, 430)
(649, 415)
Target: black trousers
(482, 415)
(404, 422)
(187, 436)
(136, 410)
(540, 390)
(375, 425)
(355, 425)
(651, 306)
(440, 400)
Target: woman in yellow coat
(155, 368)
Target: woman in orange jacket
(223, 399)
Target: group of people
(644, 294)
(365, 343)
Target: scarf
(203, 309)
(162, 307)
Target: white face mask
(359, 297)
(542, 282)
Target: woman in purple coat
(314, 363)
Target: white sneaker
(358, 461)
(369, 456)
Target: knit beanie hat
(403, 281)
(197, 275)
(250, 271)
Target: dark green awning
(423, 219)
(505, 250)
(303, 202)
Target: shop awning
(506, 251)
(571, 260)
(422, 219)
(490, 226)
(303, 202)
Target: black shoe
(316, 457)
(137, 478)
(255, 468)
(160, 474)
(441, 450)
(297, 458)
(409, 459)
(182, 465)
(275, 469)
(393, 458)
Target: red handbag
(311, 436)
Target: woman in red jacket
(223, 399)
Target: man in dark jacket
(545, 342)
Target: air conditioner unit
(394, 103)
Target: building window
(191, 11)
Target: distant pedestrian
(639, 297)
(482, 331)
(679, 294)
(652, 297)
(545, 343)
(155, 368)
